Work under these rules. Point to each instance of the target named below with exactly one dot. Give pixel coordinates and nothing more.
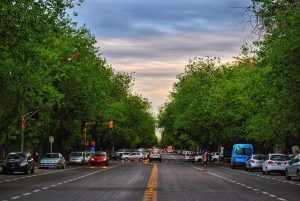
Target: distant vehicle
(121, 152)
(18, 162)
(100, 157)
(170, 149)
(189, 157)
(141, 150)
(52, 160)
(154, 155)
(274, 163)
(198, 157)
(113, 155)
(215, 156)
(79, 158)
(254, 161)
(133, 156)
(240, 153)
(293, 168)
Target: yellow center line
(151, 193)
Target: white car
(274, 163)
(155, 155)
(189, 157)
(133, 156)
(198, 157)
(215, 156)
(293, 168)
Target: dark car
(18, 162)
(100, 158)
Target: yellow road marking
(151, 193)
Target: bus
(240, 153)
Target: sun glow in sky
(154, 40)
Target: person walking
(205, 159)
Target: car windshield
(76, 154)
(51, 156)
(16, 156)
(278, 157)
(100, 154)
(243, 151)
(259, 157)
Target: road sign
(51, 139)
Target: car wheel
(287, 176)
(26, 171)
(64, 166)
(57, 167)
(199, 160)
(125, 159)
(267, 172)
(140, 159)
(250, 168)
(246, 168)
(32, 171)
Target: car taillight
(93, 159)
(270, 162)
(252, 161)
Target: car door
(293, 167)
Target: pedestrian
(205, 159)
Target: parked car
(240, 153)
(154, 155)
(133, 156)
(293, 168)
(274, 163)
(113, 155)
(79, 158)
(215, 156)
(121, 152)
(189, 157)
(198, 157)
(100, 157)
(18, 162)
(52, 160)
(255, 161)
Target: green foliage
(215, 103)
(49, 65)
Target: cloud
(154, 40)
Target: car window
(244, 151)
(278, 158)
(100, 154)
(76, 154)
(16, 156)
(259, 157)
(51, 156)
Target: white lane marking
(7, 180)
(281, 199)
(26, 194)
(13, 198)
(250, 187)
(266, 177)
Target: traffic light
(110, 124)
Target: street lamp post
(24, 119)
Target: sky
(154, 40)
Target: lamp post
(24, 119)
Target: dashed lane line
(266, 177)
(60, 183)
(238, 183)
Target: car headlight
(24, 163)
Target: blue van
(240, 153)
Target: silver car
(133, 156)
(52, 160)
(79, 158)
(254, 161)
(293, 168)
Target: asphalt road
(170, 180)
